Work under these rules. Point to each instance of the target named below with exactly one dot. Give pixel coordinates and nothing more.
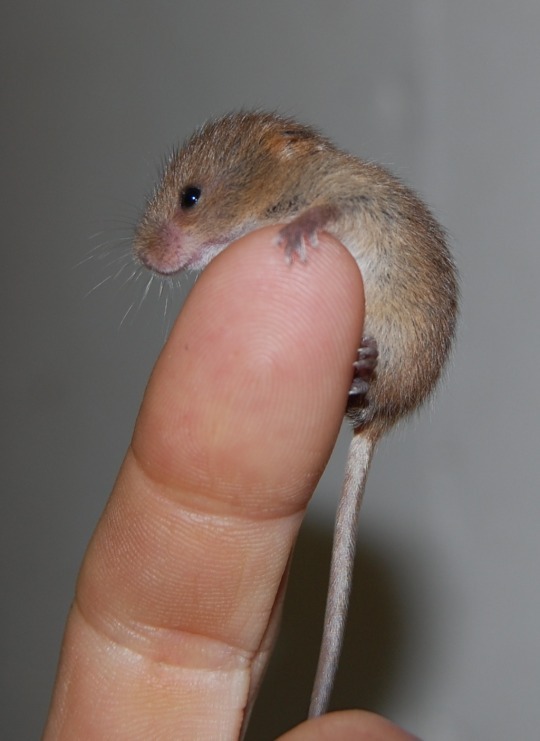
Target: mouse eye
(189, 197)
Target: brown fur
(257, 168)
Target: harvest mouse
(250, 169)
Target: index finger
(238, 421)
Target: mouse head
(229, 178)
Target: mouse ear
(294, 140)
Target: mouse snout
(161, 249)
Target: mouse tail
(341, 567)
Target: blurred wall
(444, 634)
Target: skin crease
(167, 634)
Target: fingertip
(265, 351)
(348, 725)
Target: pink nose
(161, 249)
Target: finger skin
(348, 725)
(237, 424)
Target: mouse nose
(160, 249)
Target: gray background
(445, 623)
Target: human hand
(179, 595)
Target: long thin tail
(339, 589)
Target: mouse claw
(359, 388)
(364, 367)
(294, 242)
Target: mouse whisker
(130, 277)
(101, 282)
(145, 293)
(130, 307)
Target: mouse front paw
(302, 232)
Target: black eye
(189, 197)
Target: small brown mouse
(251, 169)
